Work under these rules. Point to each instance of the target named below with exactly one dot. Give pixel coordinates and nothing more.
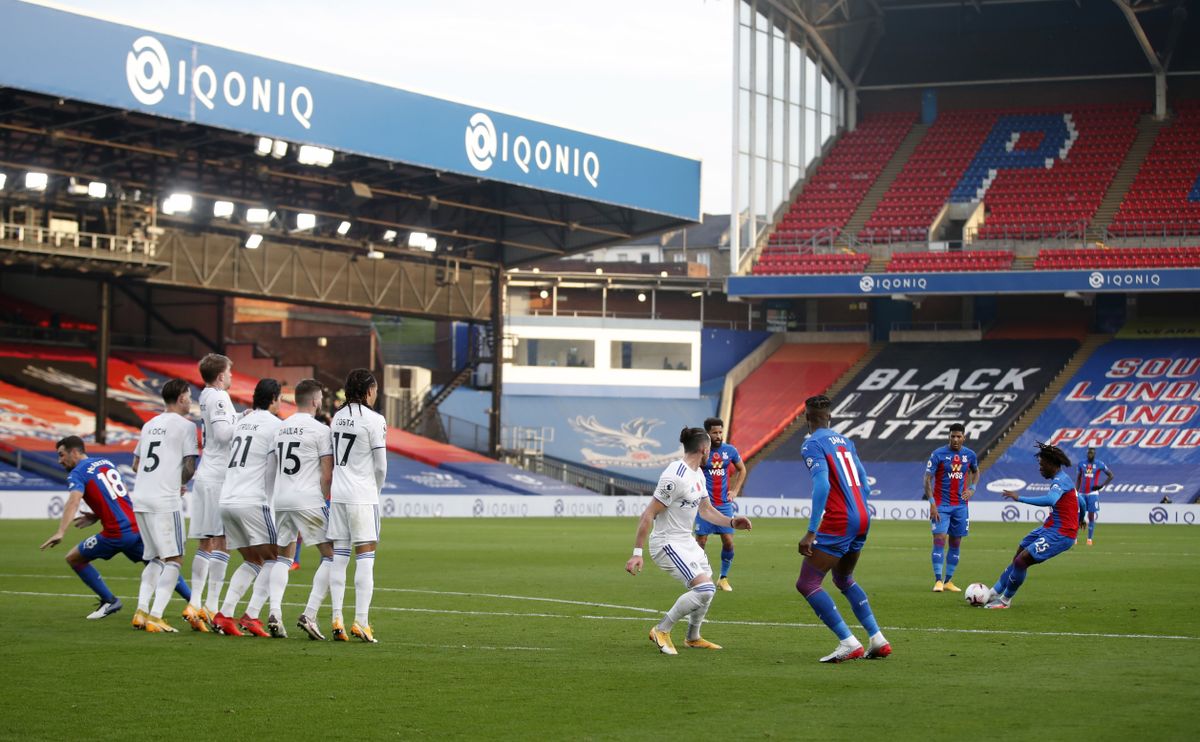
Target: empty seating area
(775, 264)
(833, 193)
(1040, 202)
(1118, 257)
(965, 260)
(1164, 200)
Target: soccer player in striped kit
(837, 531)
(678, 499)
(950, 476)
(724, 474)
(1087, 482)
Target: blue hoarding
(979, 282)
(73, 56)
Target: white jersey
(299, 445)
(246, 475)
(681, 489)
(165, 440)
(357, 432)
(216, 408)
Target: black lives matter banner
(901, 406)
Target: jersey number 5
(290, 456)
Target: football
(977, 593)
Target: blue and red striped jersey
(846, 511)
(716, 470)
(105, 493)
(949, 468)
(1064, 513)
(1088, 476)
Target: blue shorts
(839, 546)
(103, 547)
(1042, 544)
(704, 528)
(1093, 503)
(955, 520)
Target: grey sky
(650, 72)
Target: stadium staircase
(1052, 390)
(834, 389)
(1148, 129)
(251, 358)
(887, 176)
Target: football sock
(320, 588)
(951, 561)
(858, 602)
(149, 580)
(726, 561)
(242, 578)
(1002, 583)
(364, 586)
(684, 606)
(1015, 578)
(199, 577)
(696, 617)
(262, 589)
(218, 562)
(809, 586)
(92, 579)
(1091, 527)
(279, 582)
(937, 556)
(181, 586)
(166, 585)
(337, 580)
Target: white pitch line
(763, 624)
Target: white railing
(79, 241)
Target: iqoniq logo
(148, 70)
(866, 283)
(484, 144)
(1096, 279)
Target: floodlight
(258, 216)
(279, 149)
(390, 235)
(264, 146)
(373, 254)
(304, 221)
(96, 189)
(36, 181)
(223, 209)
(343, 228)
(310, 155)
(253, 241)
(417, 239)
(177, 203)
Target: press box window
(658, 356)
(554, 352)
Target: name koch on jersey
(357, 432)
(300, 442)
(246, 473)
(216, 408)
(165, 441)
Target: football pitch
(530, 629)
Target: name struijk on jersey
(903, 404)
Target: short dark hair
(817, 403)
(173, 390)
(693, 439)
(306, 390)
(712, 422)
(1053, 454)
(213, 365)
(71, 443)
(266, 391)
(957, 428)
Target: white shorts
(356, 524)
(683, 560)
(309, 524)
(206, 510)
(162, 534)
(248, 525)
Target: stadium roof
(150, 114)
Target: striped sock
(241, 581)
(262, 589)
(364, 586)
(320, 588)
(199, 577)
(337, 580)
(218, 563)
(279, 583)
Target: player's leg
(960, 524)
(320, 588)
(218, 566)
(1093, 514)
(337, 587)
(198, 530)
(726, 560)
(843, 579)
(1014, 577)
(812, 574)
(264, 546)
(279, 582)
(677, 559)
(940, 529)
(80, 559)
(169, 547)
(364, 532)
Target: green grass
(466, 653)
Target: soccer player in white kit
(304, 455)
(359, 469)
(681, 494)
(246, 510)
(164, 462)
(208, 565)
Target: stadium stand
(30, 421)
(183, 367)
(965, 260)
(1164, 200)
(779, 263)
(17, 311)
(840, 182)
(773, 395)
(1118, 257)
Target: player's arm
(271, 470)
(1037, 500)
(971, 480)
(220, 431)
(737, 479)
(933, 511)
(68, 515)
(326, 461)
(717, 518)
(188, 470)
(656, 506)
(1108, 478)
(820, 485)
(379, 451)
(1079, 478)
